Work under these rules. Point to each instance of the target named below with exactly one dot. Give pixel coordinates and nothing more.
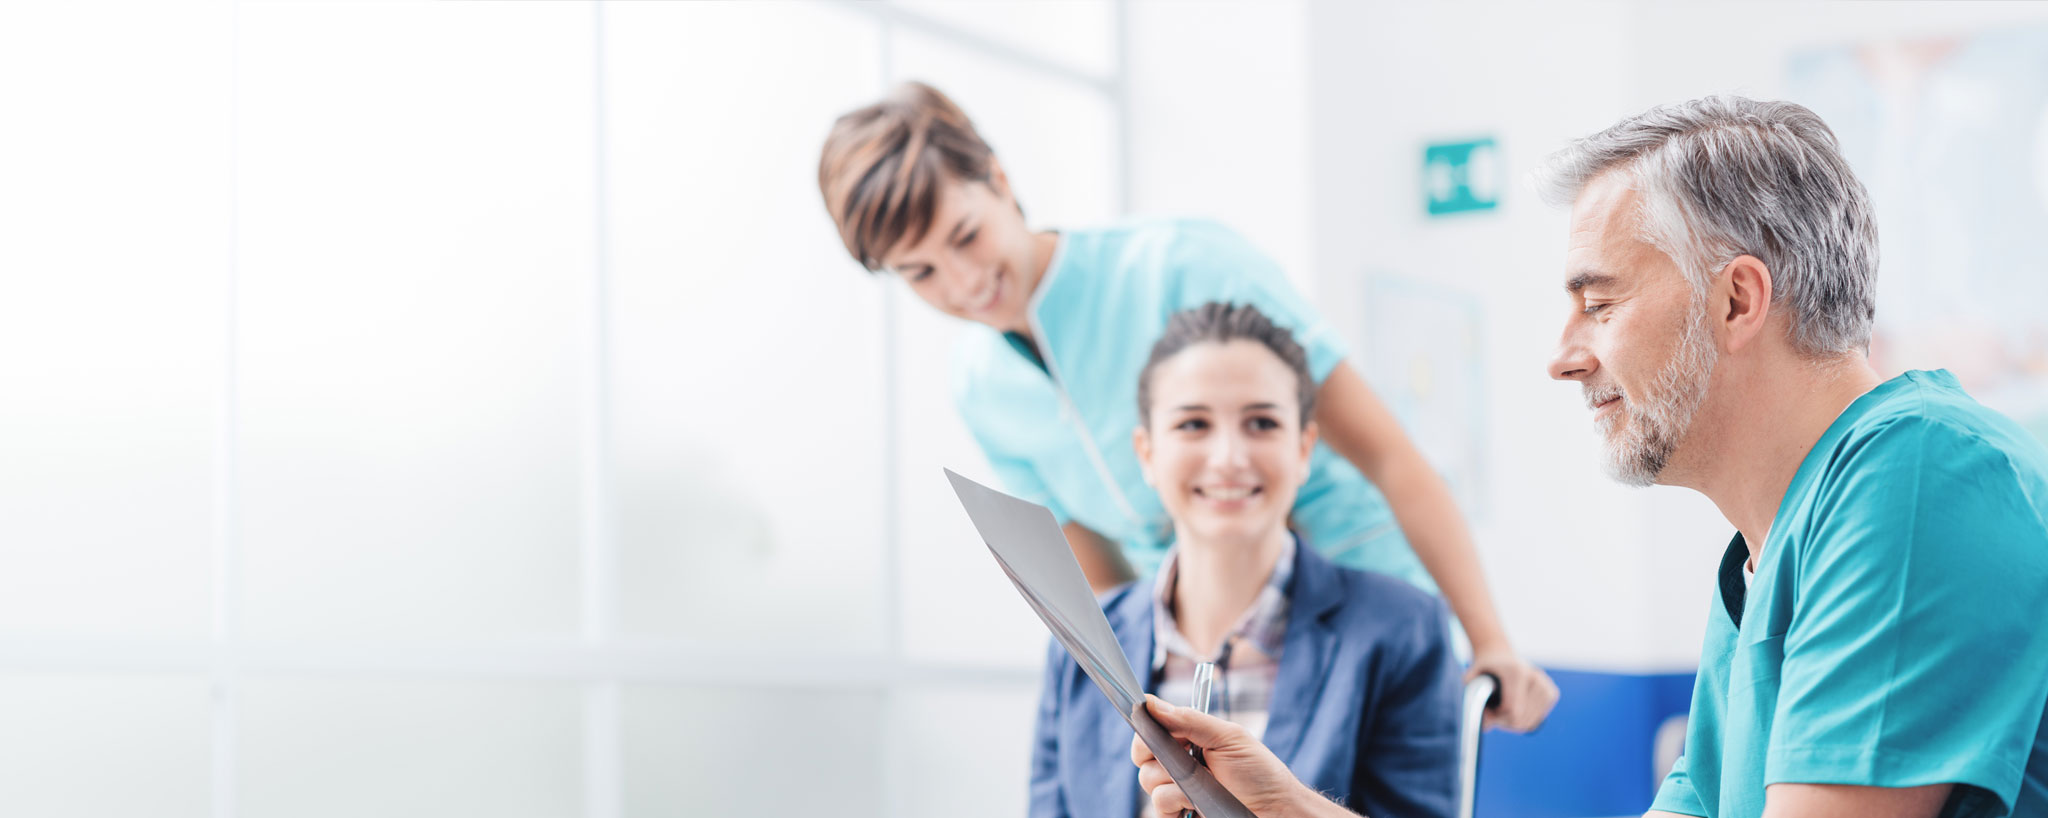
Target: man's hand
(1240, 763)
(1526, 692)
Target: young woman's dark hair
(1216, 323)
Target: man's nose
(1573, 361)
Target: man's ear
(1746, 289)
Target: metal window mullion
(603, 779)
(893, 771)
(223, 694)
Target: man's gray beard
(1638, 452)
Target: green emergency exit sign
(1461, 177)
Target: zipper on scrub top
(1073, 416)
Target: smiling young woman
(1347, 675)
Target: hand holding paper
(1026, 541)
(1249, 770)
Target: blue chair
(1595, 756)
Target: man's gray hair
(1726, 176)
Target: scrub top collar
(1034, 311)
(1033, 348)
(1734, 592)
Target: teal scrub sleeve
(1014, 472)
(1217, 264)
(1676, 794)
(1021, 480)
(1905, 664)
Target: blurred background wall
(429, 409)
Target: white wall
(1220, 120)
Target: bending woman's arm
(1358, 426)
(1102, 562)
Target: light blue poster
(1436, 389)
(1950, 135)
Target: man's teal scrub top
(1896, 631)
(1061, 435)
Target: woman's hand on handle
(1240, 763)
(1526, 692)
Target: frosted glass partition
(321, 749)
(1076, 34)
(91, 746)
(926, 724)
(703, 751)
(442, 409)
(113, 273)
(1056, 138)
(745, 346)
(957, 606)
(416, 246)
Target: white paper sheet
(1027, 542)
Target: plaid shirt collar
(1263, 625)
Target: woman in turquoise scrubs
(1068, 318)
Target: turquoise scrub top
(1060, 435)
(1896, 631)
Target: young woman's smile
(1224, 444)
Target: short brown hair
(883, 165)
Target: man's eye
(1593, 308)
